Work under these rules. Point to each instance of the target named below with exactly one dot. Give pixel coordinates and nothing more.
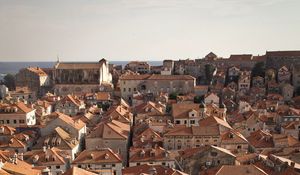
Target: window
(214, 154)
(113, 165)
(7, 121)
(15, 121)
(178, 122)
(1, 121)
(192, 122)
(21, 121)
(58, 167)
(129, 89)
(124, 89)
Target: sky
(88, 30)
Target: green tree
(209, 70)
(10, 82)
(173, 96)
(198, 99)
(259, 69)
(298, 91)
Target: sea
(14, 67)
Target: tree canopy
(9, 81)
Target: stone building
(192, 160)
(138, 66)
(81, 77)
(112, 134)
(284, 75)
(35, 78)
(277, 59)
(99, 159)
(70, 105)
(155, 84)
(296, 76)
(17, 114)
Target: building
(35, 78)
(155, 84)
(141, 67)
(99, 159)
(296, 76)
(70, 105)
(111, 134)
(55, 159)
(284, 75)
(278, 59)
(81, 77)
(188, 114)
(153, 156)
(75, 127)
(151, 169)
(17, 114)
(194, 160)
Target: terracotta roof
(52, 156)
(149, 154)
(77, 171)
(75, 123)
(192, 151)
(213, 121)
(181, 110)
(147, 106)
(7, 130)
(148, 136)
(20, 168)
(71, 98)
(149, 169)
(295, 53)
(243, 57)
(193, 131)
(59, 138)
(261, 139)
(102, 96)
(79, 65)
(37, 70)
(233, 137)
(156, 77)
(18, 107)
(240, 169)
(105, 155)
(110, 130)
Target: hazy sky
(39, 30)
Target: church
(81, 77)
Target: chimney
(292, 164)
(21, 156)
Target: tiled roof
(149, 154)
(261, 139)
(79, 65)
(77, 171)
(283, 53)
(150, 169)
(181, 110)
(240, 169)
(156, 77)
(7, 130)
(48, 157)
(213, 121)
(97, 157)
(37, 70)
(111, 130)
